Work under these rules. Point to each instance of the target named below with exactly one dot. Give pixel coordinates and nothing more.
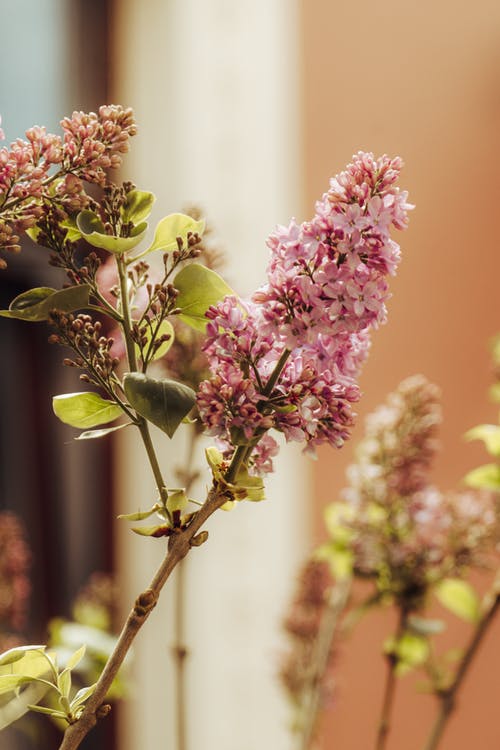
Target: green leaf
(338, 515)
(459, 597)
(199, 288)
(73, 234)
(36, 304)
(495, 392)
(485, 477)
(489, 434)
(165, 329)
(84, 409)
(33, 233)
(156, 531)
(82, 695)
(171, 227)
(20, 704)
(248, 487)
(64, 682)
(177, 500)
(165, 402)
(76, 658)
(137, 207)
(34, 662)
(339, 559)
(93, 231)
(9, 682)
(54, 713)
(141, 515)
(94, 434)
(17, 653)
(411, 651)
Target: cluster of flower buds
(46, 168)
(93, 350)
(288, 359)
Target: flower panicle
(393, 524)
(326, 289)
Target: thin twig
(179, 546)
(320, 658)
(180, 651)
(448, 697)
(390, 687)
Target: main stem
(132, 363)
(180, 650)
(390, 688)
(448, 697)
(179, 546)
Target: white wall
(214, 86)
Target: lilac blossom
(392, 524)
(288, 359)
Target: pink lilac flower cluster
(48, 167)
(396, 526)
(326, 288)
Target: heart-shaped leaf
(137, 206)
(199, 288)
(171, 227)
(164, 402)
(36, 304)
(84, 409)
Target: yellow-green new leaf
(411, 651)
(485, 477)
(199, 288)
(177, 500)
(165, 329)
(85, 409)
(35, 305)
(459, 597)
(10, 682)
(155, 531)
(17, 653)
(82, 695)
(171, 227)
(137, 207)
(76, 658)
(22, 703)
(64, 682)
(140, 515)
(93, 232)
(489, 434)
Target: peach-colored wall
(421, 80)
